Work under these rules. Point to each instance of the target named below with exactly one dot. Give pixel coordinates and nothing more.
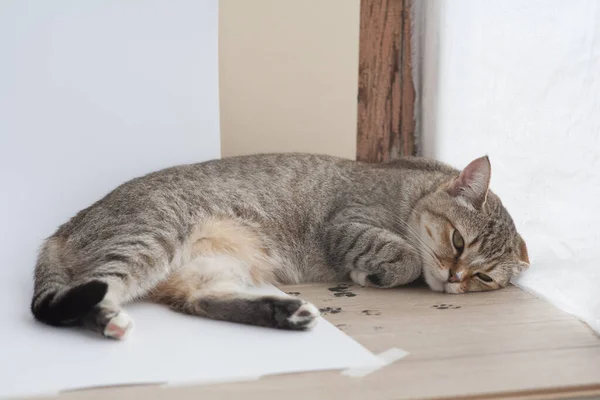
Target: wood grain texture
(386, 94)
(505, 344)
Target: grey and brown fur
(195, 237)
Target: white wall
(520, 80)
(93, 93)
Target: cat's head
(469, 241)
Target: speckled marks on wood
(444, 306)
(342, 290)
(370, 312)
(339, 288)
(344, 294)
(330, 310)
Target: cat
(195, 237)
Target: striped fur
(196, 237)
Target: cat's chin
(454, 288)
(436, 286)
(435, 283)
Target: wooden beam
(386, 94)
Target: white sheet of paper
(164, 347)
(92, 94)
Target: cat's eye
(457, 241)
(484, 277)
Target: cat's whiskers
(424, 248)
(416, 236)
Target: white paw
(359, 277)
(305, 317)
(119, 326)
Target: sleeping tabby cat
(195, 237)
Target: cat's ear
(522, 262)
(518, 267)
(523, 254)
(473, 182)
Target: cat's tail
(55, 301)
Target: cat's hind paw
(294, 314)
(305, 317)
(119, 326)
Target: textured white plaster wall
(520, 80)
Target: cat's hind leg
(216, 287)
(107, 317)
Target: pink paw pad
(119, 326)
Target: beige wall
(288, 76)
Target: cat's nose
(455, 276)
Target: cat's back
(268, 183)
(274, 172)
(277, 182)
(241, 172)
(417, 165)
(280, 165)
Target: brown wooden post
(386, 94)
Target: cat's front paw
(369, 280)
(359, 277)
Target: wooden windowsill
(495, 345)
